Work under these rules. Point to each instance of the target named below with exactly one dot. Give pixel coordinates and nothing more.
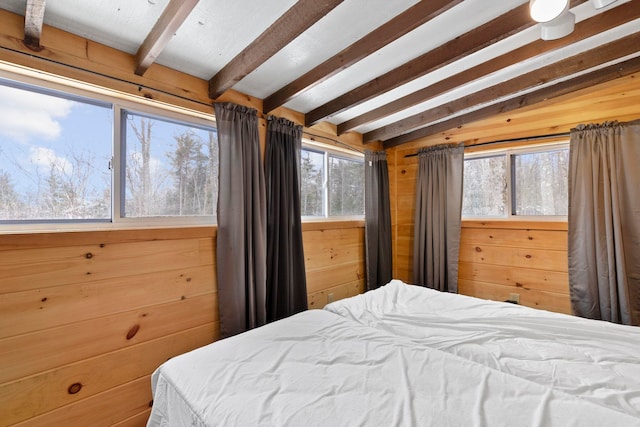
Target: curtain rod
(334, 140)
(504, 141)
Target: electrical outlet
(514, 298)
(330, 298)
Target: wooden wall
(334, 260)
(498, 258)
(86, 317)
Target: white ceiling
(217, 30)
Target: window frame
(509, 153)
(119, 102)
(328, 151)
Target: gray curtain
(286, 280)
(436, 243)
(377, 219)
(241, 242)
(604, 222)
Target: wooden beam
(502, 27)
(290, 25)
(592, 78)
(507, 24)
(171, 19)
(402, 24)
(33, 19)
(584, 29)
(592, 58)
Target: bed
(404, 355)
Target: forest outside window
(531, 182)
(331, 183)
(170, 168)
(75, 158)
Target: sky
(38, 130)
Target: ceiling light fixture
(554, 17)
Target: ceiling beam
(584, 81)
(285, 29)
(410, 19)
(584, 29)
(505, 25)
(33, 19)
(493, 31)
(171, 19)
(566, 67)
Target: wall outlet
(514, 298)
(330, 298)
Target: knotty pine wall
(86, 317)
(498, 258)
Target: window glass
(331, 184)
(540, 183)
(171, 168)
(346, 186)
(55, 152)
(311, 183)
(485, 187)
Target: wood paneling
(334, 260)
(149, 295)
(531, 261)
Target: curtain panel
(436, 243)
(286, 280)
(604, 221)
(377, 219)
(241, 241)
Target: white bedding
(387, 359)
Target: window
(331, 183)
(67, 156)
(54, 156)
(519, 182)
(170, 168)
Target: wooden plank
(302, 15)
(37, 309)
(485, 35)
(42, 268)
(569, 86)
(540, 239)
(84, 238)
(115, 406)
(46, 391)
(559, 303)
(139, 420)
(71, 343)
(71, 56)
(583, 30)
(172, 17)
(331, 225)
(516, 257)
(391, 30)
(318, 300)
(324, 278)
(516, 277)
(332, 247)
(516, 224)
(602, 54)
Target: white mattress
(408, 356)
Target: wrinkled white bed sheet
(597, 361)
(379, 366)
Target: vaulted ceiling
(394, 70)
